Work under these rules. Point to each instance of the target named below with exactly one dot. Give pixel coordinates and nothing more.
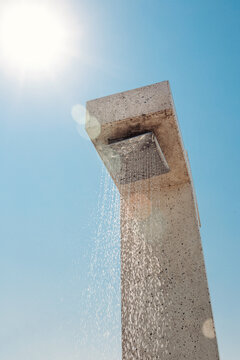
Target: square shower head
(136, 158)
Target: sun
(33, 37)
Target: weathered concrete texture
(166, 311)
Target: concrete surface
(166, 310)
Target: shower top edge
(131, 103)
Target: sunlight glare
(33, 37)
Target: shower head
(131, 118)
(135, 158)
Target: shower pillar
(166, 310)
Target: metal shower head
(136, 158)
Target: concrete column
(166, 310)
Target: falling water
(145, 302)
(142, 305)
(102, 297)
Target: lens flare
(208, 329)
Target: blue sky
(52, 180)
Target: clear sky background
(52, 182)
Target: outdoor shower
(166, 310)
